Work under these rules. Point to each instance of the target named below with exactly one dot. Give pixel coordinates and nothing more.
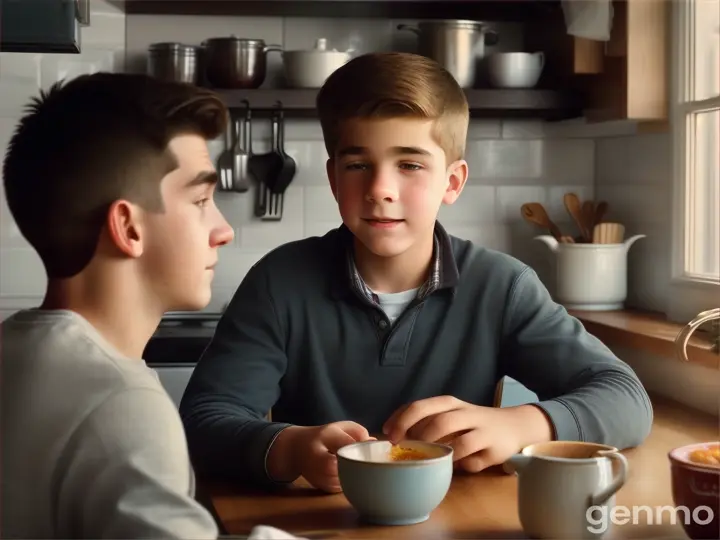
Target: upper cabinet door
(47, 26)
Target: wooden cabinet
(626, 78)
(634, 82)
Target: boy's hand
(312, 450)
(480, 436)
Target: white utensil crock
(591, 277)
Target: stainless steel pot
(457, 45)
(232, 62)
(174, 62)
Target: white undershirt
(393, 304)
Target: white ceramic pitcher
(566, 489)
(591, 277)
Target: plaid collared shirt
(430, 285)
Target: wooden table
(477, 506)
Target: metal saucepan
(232, 62)
(457, 45)
(175, 62)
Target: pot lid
(173, 47)
(454, 23)
(321, 45)
(234, 39)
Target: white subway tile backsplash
(237, 208)
(483, 129)
(488, 235)
(511, 198)
(569, 161)
(320, 204)
(100, 7)
(498, 159)
(649, 266)
(634, 175)
(522, 129)
(7, 128)
(233, 264)
(106, 31)
(310, 162)
(21, 68)
(476, 204)
(55, 67)
(15, 96)
(641, 159)
(257, 236)
(636, 203)
(302, 130)
(21, 274)
(10, 236)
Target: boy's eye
(202, 202)
(356, 166)
(411, 166)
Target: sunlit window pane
(707, 49)
(703, 235)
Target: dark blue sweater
(302, 337)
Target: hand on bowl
(480, 436)
(310, 452)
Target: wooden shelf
(647, 331)
(535, 103)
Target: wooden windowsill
(646, 331)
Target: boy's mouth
(383, 222)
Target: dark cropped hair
(88, 142)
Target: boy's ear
(124, 228)
(330, 168)
(457, 176)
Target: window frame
(687, 295)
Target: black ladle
(287, 173)
(266, 169)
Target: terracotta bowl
(696, 486)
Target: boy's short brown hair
(89, 142)
(395, 84)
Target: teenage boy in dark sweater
(388, 324)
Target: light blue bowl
(388, 492)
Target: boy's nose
(222, 235)
(382, 188)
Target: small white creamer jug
(566, 490)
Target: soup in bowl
(395, 484)
(695, 474)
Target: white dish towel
(589, 19)
(265, 532)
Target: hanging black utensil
(266, 168)
(289, 168)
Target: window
(695, 117)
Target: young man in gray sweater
(388, 323)
(108, 178)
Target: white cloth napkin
(589, 19)
(265, 532)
